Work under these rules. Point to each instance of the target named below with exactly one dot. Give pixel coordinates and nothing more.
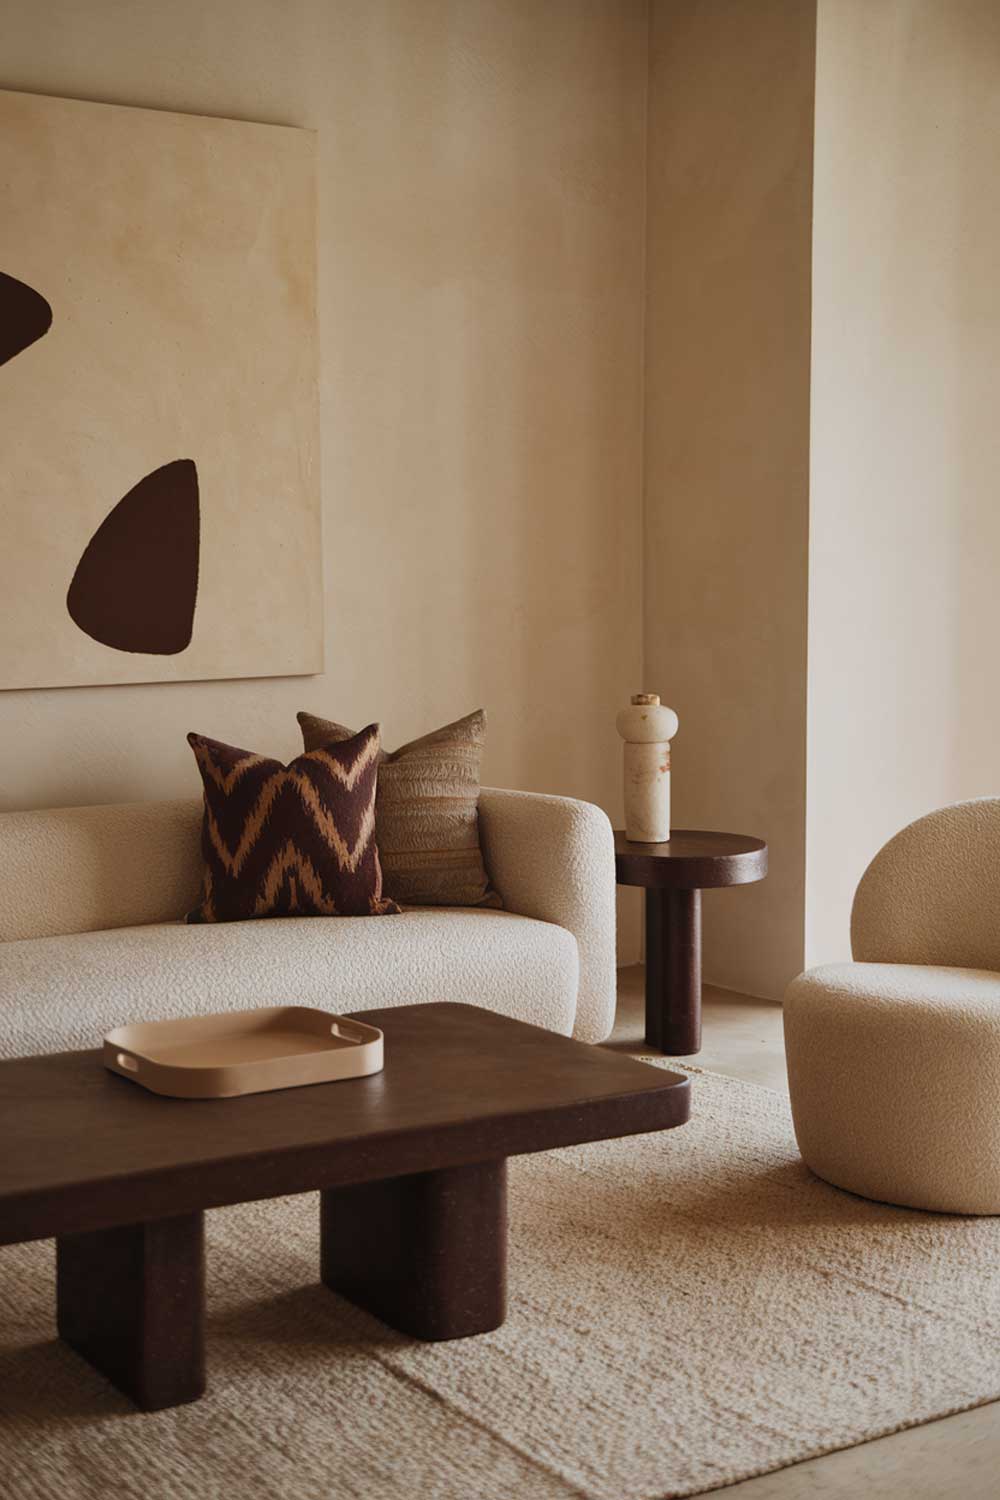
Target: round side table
(674, 875)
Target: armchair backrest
(932, 894)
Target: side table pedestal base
(673, 970)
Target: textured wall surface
(905, 526)
(480, 172)
(481, 274)
(727, 442)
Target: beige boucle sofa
(90, 938)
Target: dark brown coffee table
(411, 1164)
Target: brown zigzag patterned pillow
(295, 840)
(427, 812)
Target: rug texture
(687, 1309)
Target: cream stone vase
(647, 726)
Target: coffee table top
(691, 859)
(85, 1149)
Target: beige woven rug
(687, 1309)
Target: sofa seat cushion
(58, 993)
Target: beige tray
(243, 1052)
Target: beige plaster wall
(726, 446)
(904, 592)
(480, 284)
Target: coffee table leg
(673, 971)
(132, 1301)
(426, 1253)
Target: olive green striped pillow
(426, 812)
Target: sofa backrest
(80, 869)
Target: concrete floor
(955, 1457)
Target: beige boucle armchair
(894, 1060)
(90, 936)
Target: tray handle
(349, 1031)
(127, 1061)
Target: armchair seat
(895, 1074)
(894, 1060)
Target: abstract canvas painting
(159, 470)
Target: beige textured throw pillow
(426, 812)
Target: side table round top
(691, 860)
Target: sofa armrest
(553, 858)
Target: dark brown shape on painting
(24, 316)
(136, 585)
